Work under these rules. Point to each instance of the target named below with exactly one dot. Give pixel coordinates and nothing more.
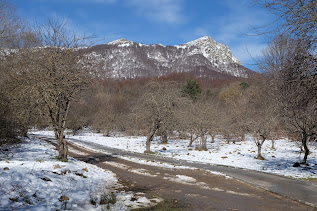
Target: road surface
(198, 189)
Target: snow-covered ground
(241, 154)
(31, 178)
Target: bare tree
(294, 50)
(10, 25)
(106, 117)
(299, 94)
(200, 118)
(292, 71)
(295, 17)
(262, 113)
(6, 127)
(15, 110)
(157, 108)
(80, 114)
(53, 73)
(235, 118)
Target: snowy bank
(32, 178)
(241, 154)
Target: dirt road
(187, 189)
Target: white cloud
(162, 11)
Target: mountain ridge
(204, 57)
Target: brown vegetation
(43, 82)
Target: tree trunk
(164, 137)
(306, 150)
(24, 132)
(273, 144)
(203, 145)
(259, 151)
(107, 132)
(228, 138)
(259, 144)
(192, 139)
(56, 132)
(213, 138)
(243, 137)
(155, 127)
(62, 146)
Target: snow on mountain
(212, 50)
(121, 43)
(203, 57)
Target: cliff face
(203, 57)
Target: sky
(169, 22)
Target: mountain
(204, 57)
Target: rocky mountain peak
(121, 42)
(215, 52)
(202, 41)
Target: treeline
(191, 107)
(188, 106)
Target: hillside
(204, 57)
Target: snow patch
(33, 179)
(241, 154)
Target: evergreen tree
(192, 89)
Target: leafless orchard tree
(293, 51)
(262, 114)
(200, 118)
(299, 94)
(80, 114)
(108, 115)
(5, 26)
(157, 108)
(53, 73)
(15, 110)
(292, 71)
(235, 115)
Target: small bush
(107, 198)
(62, 159)
(102, 197)
(93, 199)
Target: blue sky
(169, 22)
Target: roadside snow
(186, 179)
(160, 164)
(33, 179)
(242, 154)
